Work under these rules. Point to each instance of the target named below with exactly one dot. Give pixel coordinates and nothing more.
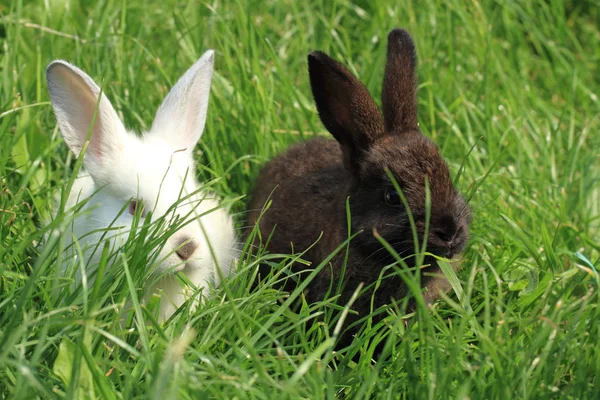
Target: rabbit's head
(153, 172)
(374, 145)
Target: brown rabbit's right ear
(399, 95)
(345, 107)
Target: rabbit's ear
(181, 117)
(399, 95)
(345, 107)
(75, 98)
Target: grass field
(508, 90)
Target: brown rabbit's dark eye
(392, 197)
(136, 207)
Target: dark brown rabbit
(309, 185)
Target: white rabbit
(155, 171)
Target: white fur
(120, 165)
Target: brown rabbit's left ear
(345, 107)
(399, 95)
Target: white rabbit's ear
(74, 97)
(181, 117)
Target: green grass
(509, 91)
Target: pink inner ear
(85, 104)
(95, 146)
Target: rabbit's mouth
(179, 267)
(172, 266)
(186, 266)
(448, 252)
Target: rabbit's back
(302, 159)
(306, 185)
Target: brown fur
(309, 184)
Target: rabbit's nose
(447, 229)
(185, 248)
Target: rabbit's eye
(137, 207)
(392, 197)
